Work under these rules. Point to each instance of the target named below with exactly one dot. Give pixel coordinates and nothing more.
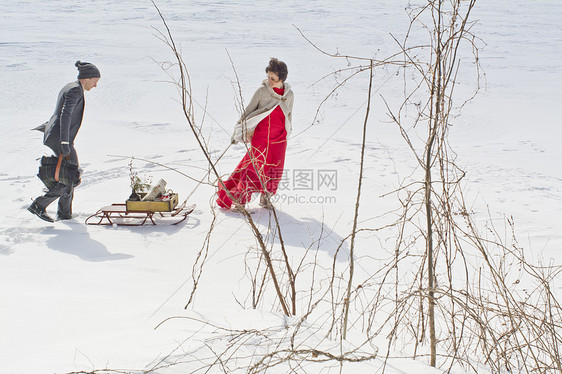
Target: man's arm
(71, 99)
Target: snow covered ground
(78, 298)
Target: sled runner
(122, 215)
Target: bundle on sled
(155, 206)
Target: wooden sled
(118, 214)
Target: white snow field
(79, 298)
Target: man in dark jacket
(60, 132)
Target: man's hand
(65, 147)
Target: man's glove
(65, 147)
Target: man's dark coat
(66, 120)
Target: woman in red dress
(265, 124)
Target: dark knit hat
(87, 70)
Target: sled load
(157, 206)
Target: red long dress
(261, 168)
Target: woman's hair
(277, 67)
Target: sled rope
(198, 182)
(207, 174)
